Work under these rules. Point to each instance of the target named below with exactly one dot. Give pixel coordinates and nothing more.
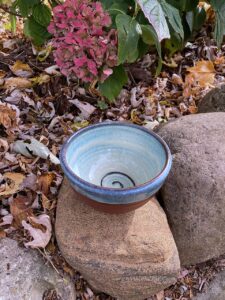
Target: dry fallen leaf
(32, 147)
(17, 82)
(7, 220)
(20, 209)
(4, 145)
(21, 70)
(2, 234)
(46, 203)
(2, 74)
(40, 238)
(202, 75)
(53, 70)
(43, 78)
(86, 108)
(45, 181)
(9, 44)
(203, 72)
(12, 183)
(8, 116)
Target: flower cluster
(83, 45)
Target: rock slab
(215, 290)
(214, 101)
(128, 256)
(194, 193)
(25, 276)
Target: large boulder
(129, 256)
(24, 275)
(215, 290)
(194, 193)
(214, 101)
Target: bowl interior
(116, 156)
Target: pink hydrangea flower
(84, 45)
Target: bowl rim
(66, 168)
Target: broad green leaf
(25, 6)
(196, 18)
(184, 5)
(154, 13)
(128, 37)
(108, 4)
(219, 7)
(35, 31)
(42, 14)
(173, 16)
(149, 36)
(143, 48)
(112, 86)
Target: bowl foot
(111, 208)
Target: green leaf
(150, 37)
(120, 4)
(42, 14)
(184, 5)
(13, 23)
(115, 7)
(174, 18)
(174, 44)
(112, 86)
(196, 18)
(35, 31)
(153, 11)
(219, 31)
(25, 6)
(102, 104)
(128, 37)
(53, 3)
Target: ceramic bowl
(115, 166)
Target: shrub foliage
(93, 40)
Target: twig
(48, 259)
(8, 10)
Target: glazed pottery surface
(116, 163)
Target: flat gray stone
(194, 193)
(25, 276)
(128, 256)
(215, 290)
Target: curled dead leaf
(2, 234)
(46, 203)
(40, 238)
(45, 181)
(7, 220)
(17, 83)
(86, 108)
(53, 70)
(202, 75)
(8, 116)
(22, 70)
(2, 74)
(21, 210)
(4, 145)
(43, 78)
(32, 147)
(12, 183)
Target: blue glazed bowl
(116, 164)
